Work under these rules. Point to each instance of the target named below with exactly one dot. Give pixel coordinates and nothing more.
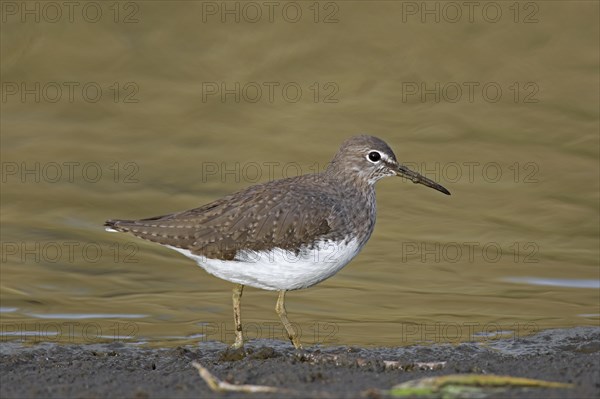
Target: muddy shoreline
(120, 370)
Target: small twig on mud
(221, 386)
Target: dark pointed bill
(415, 177)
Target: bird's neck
(350, 179)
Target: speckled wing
(272, 215)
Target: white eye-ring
(374, 156)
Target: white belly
(278, 269)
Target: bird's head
(370, 159)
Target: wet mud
(119, 370)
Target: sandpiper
(285, 234)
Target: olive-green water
(136, 109)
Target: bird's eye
(374, 156)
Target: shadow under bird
(285, 234)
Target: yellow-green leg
(237, 316)
(280, 309)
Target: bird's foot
(239, 343)
(296, 342)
